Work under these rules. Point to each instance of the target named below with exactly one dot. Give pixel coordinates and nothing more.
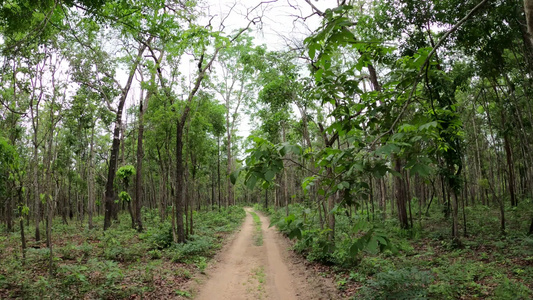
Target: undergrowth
(116, 264)
(422, 262)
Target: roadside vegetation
(116, 264)
(421, 263)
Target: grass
(116, 264)
(258, 235)
(258, 274)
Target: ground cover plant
(424, 264)
(116, 264)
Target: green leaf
(380, 170)
(295, 233)
(269, 175)
(312, 50)
(428, 125)
(421, 169)
(251, 181)
(234, 175)
(372, 245)
(388, 150)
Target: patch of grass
(183, 294)
(259, 275)
(258, 235)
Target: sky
(280, 19)
(281, 25)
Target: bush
(158, 237)
(401, 284)
(511, 290)
(196, 246)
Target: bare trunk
(90, 186)
(400, 195)
(218, 172)
(140, 153)
(36, 191)
(180, 185)
(110, 207)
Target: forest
(390, 142)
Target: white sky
(281, 26)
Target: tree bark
(110, 207)
(140, 154)
(90, 186)
(528, 9)
(400, 195)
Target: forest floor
(486, 264)
(256, 264)
(119, 263)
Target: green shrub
(158, 237)
(460, 279)
(196, 246)
(154, 254)
(400, 284)
(375, 265)
(511, 290)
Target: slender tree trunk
(455, 215)
(218, 172)
(36, 192)
(180, 186)
(110, 207)
(383, 201)
(528, 9)
(110, 193)
(21, 222)
(266, 199)
(229, 186)
(140, 154)
(90, 186)
(400, 195)
(9, 210)
(285, 179)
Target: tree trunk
(218, 172)
(383, 199)
(180, 184)
(528, 9)
(229, 186)
(90, 185)
(36, 192)
(400, 195)
(21, 222)
(110, 207)
(140, 153)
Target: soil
(245, 270)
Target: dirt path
(246, 270)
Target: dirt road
(246, 270)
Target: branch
(318, 11)
(39, 28)
(425, 64)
